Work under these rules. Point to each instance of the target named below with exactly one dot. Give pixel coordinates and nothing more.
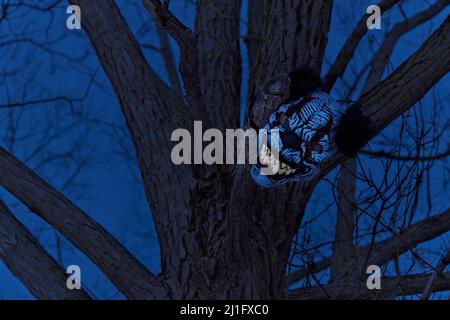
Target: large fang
(264, 155)
(277, 167)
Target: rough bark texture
(189, 63)
(19, 250)
(169, 61)
(217, 34)
(391, 287)
(127, 274)
(287, 40)
(255, 31)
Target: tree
(221, 236)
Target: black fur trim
(353, 131)
(304, 80)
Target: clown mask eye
(290, 140)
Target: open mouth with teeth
(271, 165)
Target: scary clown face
(297, 139)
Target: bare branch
(417, 233)
(166, 20)
(152, 113)
(308, 270)
(125, 272)
(394, 246)
(343, 246)
(344, 56)
(391, 287)
(387, 155)
(30, 263)
(437, 274)
(343, 252)
(410, 81)
(399, 92)
(381, 58)
(185, 38)
(169, 61)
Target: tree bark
(436, 276)
(384, 251)
(390, 287)
(381, 58)
(169, 61)
(189, 63)
(152, 113)
(287, 41)
(344, 56)
(45, 279)
(218, 45)
(125, 272)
